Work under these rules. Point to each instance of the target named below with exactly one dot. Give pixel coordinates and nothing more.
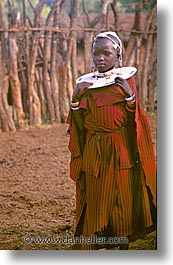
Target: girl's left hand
(124, 85)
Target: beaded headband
(115, 40)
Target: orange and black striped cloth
(113, 164)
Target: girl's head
(106, 49)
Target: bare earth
(37, 197)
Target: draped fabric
(115, 171)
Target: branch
(105, 6)
(85, 12)
(31, 5)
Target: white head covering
(115, 40)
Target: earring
(92, 65)
(120, 60)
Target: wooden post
(13, 68)
(46, 77)
(5, 114)
(53, 62)
(115, 12)
(34, 101)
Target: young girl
(112, 158)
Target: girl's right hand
(79, 90)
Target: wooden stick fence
(40, 63)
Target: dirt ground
(37, 197)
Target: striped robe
(113, 164)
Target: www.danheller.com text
(75, 240)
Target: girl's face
(104, 54)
